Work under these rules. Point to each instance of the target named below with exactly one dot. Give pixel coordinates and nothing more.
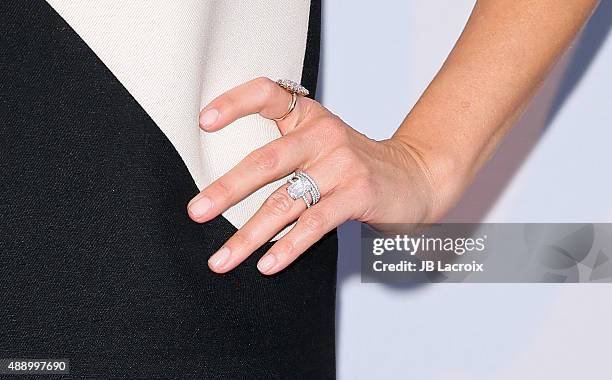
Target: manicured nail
(209, 118)
(200, 207)
(266, 263)
(219, 259)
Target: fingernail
(208, 118)
(219, 259)
(200, 206)
(266, 263)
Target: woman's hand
(359, 178)
(494, 69)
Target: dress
(99, 154)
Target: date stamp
(21, 366)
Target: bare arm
(501, 58)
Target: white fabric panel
(175, 56)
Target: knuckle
(286, 246)
(347, 159)
(264, 159)
(279, 203)
(333, 130)
(242, 238)
(312, 108)
(223, 189)
(348, 154)
(313, 221)
(265, 86)
(365, 187)
(362, 168)
(339, 132)
(322, 123)
(311, 105)
(228, 101)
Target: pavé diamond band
(301, 185)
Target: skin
(496, 66)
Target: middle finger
(262, 166)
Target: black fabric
(310, 71)
(99, 262)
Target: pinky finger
(315, 222)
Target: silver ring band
(301, 185)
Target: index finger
(260, 95)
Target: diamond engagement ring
(294, 89)
(301, 185)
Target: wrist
(445, 174)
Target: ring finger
(278, 211)
(310, 227)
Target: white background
(377, 59)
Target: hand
(359, 178)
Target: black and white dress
(100, 151)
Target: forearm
(502, 56)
